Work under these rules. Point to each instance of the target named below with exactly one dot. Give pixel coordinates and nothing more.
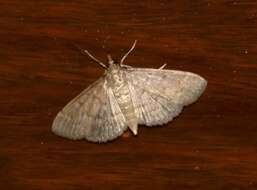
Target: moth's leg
(162, 66)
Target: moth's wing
(94, 114)
(159, 95)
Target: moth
(125, 97)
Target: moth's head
(110, 60)
(111, 63)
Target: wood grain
(212, 145)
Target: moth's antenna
(90, 55)
(124, 57)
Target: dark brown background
(211, 145)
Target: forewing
(159, 95)
(94, 114)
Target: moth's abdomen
(122, 94)
(124, 100)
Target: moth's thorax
(114, 75)
(113, 67)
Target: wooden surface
(211, 145)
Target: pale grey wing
(94, 114)
(159, 95)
